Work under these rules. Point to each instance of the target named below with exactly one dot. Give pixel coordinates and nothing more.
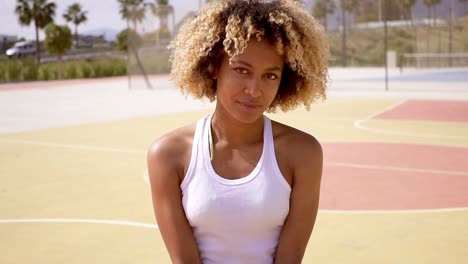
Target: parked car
(21, 49)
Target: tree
(38, 11)
(162, 10)
(128, 11)
(321, 10)
(126, 38)
(132, 10)
(76, 15)
(57, 42)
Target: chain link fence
(361, 33)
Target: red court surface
(429, 110)
(386, 176)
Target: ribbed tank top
(235, 221)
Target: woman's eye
(271, 76)
(241, 70)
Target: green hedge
(29, 70)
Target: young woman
(236, 187)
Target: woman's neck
(227, 129)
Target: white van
(22, 49)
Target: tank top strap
(270, 157)
(268, 136)
(197, 141)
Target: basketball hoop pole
(386, 44)
(450, 47)
(129, 78)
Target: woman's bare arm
(164, 168)
(308, 163)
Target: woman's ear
(214, 72)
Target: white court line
(358, 124)
(78, 220)
(145, 177)
(72, 146)
(388, 108)
(367, 166)
(393, 142)
(409, 211)
(154, 226)
(393, 168)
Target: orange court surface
(74, 187)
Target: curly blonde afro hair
(226, 26)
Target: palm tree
(321, 10)
(76, 15)
(162, 10)
(129, 10)
(38, 11)
(132, 10)
(136, 14)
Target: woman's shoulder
(300, 146)
(173, 148)
(293, 138)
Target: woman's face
(247, 86)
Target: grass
(29, 70)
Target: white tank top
(235, 221)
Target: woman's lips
(248, 106)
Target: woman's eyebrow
(274, 68)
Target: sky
(101, 14)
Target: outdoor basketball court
(74, 189)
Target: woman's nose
(253, 88)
